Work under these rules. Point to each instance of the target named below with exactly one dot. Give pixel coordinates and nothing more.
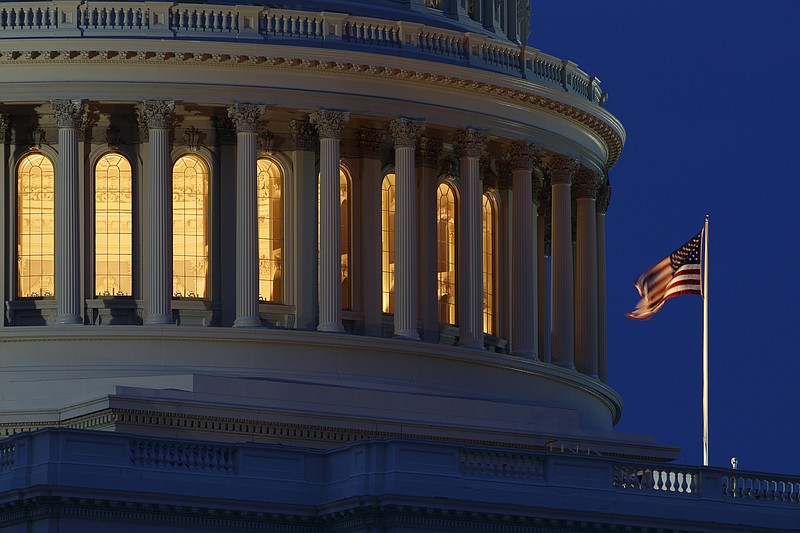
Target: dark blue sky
(708, 93)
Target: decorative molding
(330, 124)
(68, 113)
(157, 114)
(428, 152)
(370, 142)
(405, 132)
(585, 183)
(469, 142)
(246, 116)
(302, 135)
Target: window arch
(270, 230)
(388, 192)
(113, 226)
(489, 224)
(447, 228)
(190, 227)
(35, 226)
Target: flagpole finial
(706, 216)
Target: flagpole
(705, 343)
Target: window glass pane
(446, 253)
(189, 227)
(488, 219)
(387, 239)
(113, 226)
(270, 231)
(35, 227)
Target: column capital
(68, 113)
(560, 168)
(521, 155)
(603, 199)
(302, 135)
(5, 126)
(585, 183)
(370, 142)
(246, 116)
(470, 142)
(157, 114)
(406, 131)
(330, 124)
(428, 152)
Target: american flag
(678, 273)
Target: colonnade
(577, 315)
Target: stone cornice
(597, 120)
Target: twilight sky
(708, 92)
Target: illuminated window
(387, 239)
(345, 217)
(113, 226)
(35, 227)
(270, 231)
(189, 227)
(446, 252)
(488, 232)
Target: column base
(247, 322)
(68, 320)
(475, 344)
(408, 335)
(526, 354)
(159, 320)
(568, 366)
(330, 328)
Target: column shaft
(330, 258)
(158, 292)
(586, 296)
(405, 230)
(67, 279)
(524, 279)
(246, 232)
(470, 319)
(541, 280)
(603, 197)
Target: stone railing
(159, 20)
(666, 478)
(761, 487)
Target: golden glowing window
(488, 231)
(344, 226)
(189, 227)
(113, 226)
(35, 227)
(387, 239)
(446, 252)
(270, 231)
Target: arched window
(35, 227)
(113, 226)
(345, 218)
(190, 227)
(270, 231)
(446, 230)
(488, 232)
(387, 240)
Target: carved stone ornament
(113, 137)
(246, 117)
(405, 132)
(370, 142)
(428, 152)
(266, 142)
(521, 155)
(68, 113)
(37, 138)
(191, 138)
(302, 135)
(89, 119)
(4, 127)
(470, 142)
(603, 199)
(560, 168)
(157, 114)
(585, 183)
(330, 124)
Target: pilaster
(427, 160)
(370, 143)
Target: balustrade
(756, 487)
(182, 455)
(501, 464)
(651, 477)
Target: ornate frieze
(330, 124)
(585, 183)
(470, 142)
(405, 132)
(246, 116)
(370, 142)
(560, 168)
(68, 113)
(302, 135)
(157, 114)
(603, 199)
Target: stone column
(245, 117)
(543, 247)
(427, 159)
(406, 286)
(370, 143)
(586, 183)
(330, 125)
(603, 198)
(524, 267)
(67, 233)
(157, 115)
(469, 144)
(562, 315)
(4, 252)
